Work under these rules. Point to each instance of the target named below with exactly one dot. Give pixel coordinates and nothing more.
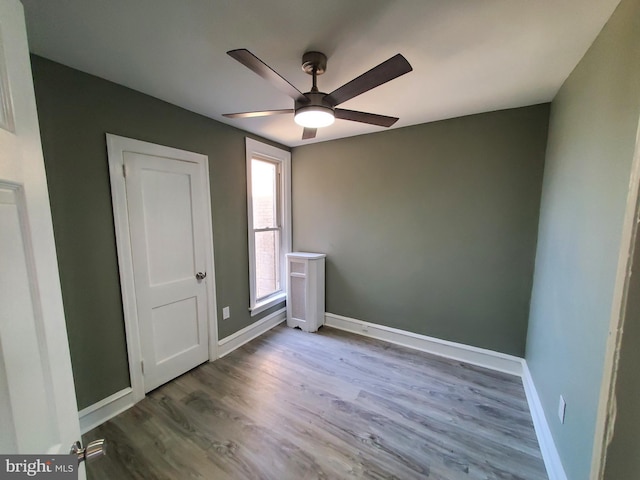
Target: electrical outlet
(562, 408)
(226, 313)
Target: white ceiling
(468, 56)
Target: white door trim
(116, 146)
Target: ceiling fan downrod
(314, 63)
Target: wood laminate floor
(330, 405)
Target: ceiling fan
(316, 109)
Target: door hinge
(142, 366)
(124, 170)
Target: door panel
(38, 407)
(168, 242)
(171, 337)
(18, 333)
(166, 200)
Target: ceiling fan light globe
(314, 116)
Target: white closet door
(165, 199)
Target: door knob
(201, 276)
(93, 450)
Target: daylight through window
(269, 217)
(266, 226)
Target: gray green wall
(75, 111)
(429, 228)
(592, 134)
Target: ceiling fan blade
(363, 117)
(308, 133)
(386, 71)
(252, 62)
(263, 113)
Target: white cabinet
(305, 294)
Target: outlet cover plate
(225, 313)
(562, 408)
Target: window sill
(268, 303)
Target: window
(269, 217)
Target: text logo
(51, 467)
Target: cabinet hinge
(142, 366)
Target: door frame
(606, 414)
(116, 146)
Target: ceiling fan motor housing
(316, 100)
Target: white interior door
(38, 410)
(166, 199)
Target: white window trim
(255, 149)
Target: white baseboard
(105, 409)
(236, 340)
(443, 348)
(547, 446)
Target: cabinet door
(297, 299)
